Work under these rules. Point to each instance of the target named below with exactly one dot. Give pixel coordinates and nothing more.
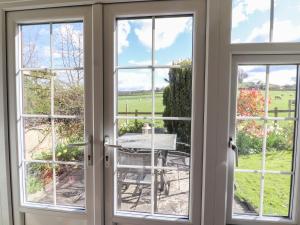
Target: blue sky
(251, 21)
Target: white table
(165, 142)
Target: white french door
(153, 111)
(50, 76)
(134, 132)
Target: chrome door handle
(234, 148)
(112, 146)
(107, 151)
(80, 144)
(88, 143)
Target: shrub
(250, 102)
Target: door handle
(234, 148)
(107, 151)
(88, 143)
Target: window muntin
(51, 108)
(265, 134)
(150, 53)
(260, 21)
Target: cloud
(166, 31)
(259, 33)
(244, 8)
(134, 80)
(140, 63)
(137, 80)
(123, 32)
(279, 75)
(284, 31)
(287, 31)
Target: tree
(177, 99)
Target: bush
(131, 127)
(279, 138)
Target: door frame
(92, 19)
(139, 9)
(271, 59)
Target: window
(50, 84)
(153, 115)
(264, 124)
(257, 21)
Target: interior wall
(36, 219)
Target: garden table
(163, 143)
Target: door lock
(89, 144)
(107, 151)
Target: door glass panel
(67, 49)
(153, 121)
(51, 104)
(35, 46)
(134, 190)
(134, 97)
(39, 183)
(134, 38)
(173, 39)
(265, 136)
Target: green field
(277, 187)
(280, 99)
(142, 102)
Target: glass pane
(249, 140)
(69, 92)
(172, 192)
(280, 145)
(35, 46)
(286, 21)
(246, 193)
(172, 143)
(135, 137)
(173, 91)
(251, 90)
(134, 190)
(67, 45)
(69, 131)
(37, 138)
(282, 90)
(36, 92)
(135, 92)
(39, 183)
(70, 185)
(134, 38)
(250, 21)
(173, 39)
(277, 195)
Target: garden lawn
(280, 99)
(142, 102)
(277, 187)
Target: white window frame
(161, 8)
(82, 13)
(247, 219)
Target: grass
(277, 187)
